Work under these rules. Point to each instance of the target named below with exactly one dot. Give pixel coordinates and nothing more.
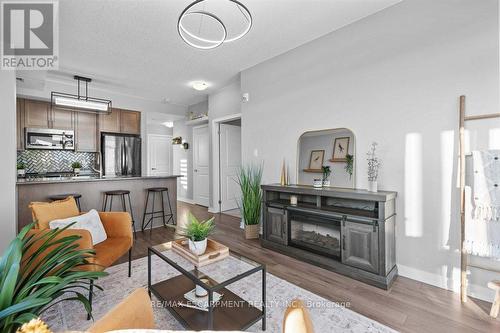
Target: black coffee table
(232, 313)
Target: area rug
(327, 316)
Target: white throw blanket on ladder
(482, 234)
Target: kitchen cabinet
(276, 226)
(62, 119)
(110, 122)
(121, 121)
(20, 123)
(86, 132)
(39, 114)
(36, 114)
(360, 245)
(130, 122)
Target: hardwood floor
(409, 306)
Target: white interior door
(201, 165)
(230, 163)
(159, 154)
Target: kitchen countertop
(78, 179)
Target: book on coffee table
(201, 302)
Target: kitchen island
(92, 190)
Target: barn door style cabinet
(351, 232)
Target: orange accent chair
(134, 312)
(118, 226)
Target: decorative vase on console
(373, 167)
(197, 233)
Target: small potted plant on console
(326, 173)
(76, 167)
(197, 232)
(21, 169)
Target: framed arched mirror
(331, 149)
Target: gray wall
(199, 108)
(395, 78)
(159, 129)
(8, 165)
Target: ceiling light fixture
(199, 9)
(80, 102)
(168, 124)
(199, 85)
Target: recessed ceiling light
(199, 85)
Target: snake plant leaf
(14, 255)
(25, 305)
(9, 285)
(24, 318)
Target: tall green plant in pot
(249, 179)
(39, 270)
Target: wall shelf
(198, 121)
(313, 170)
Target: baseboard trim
(439, 281)
(186, 200)
(213, 210)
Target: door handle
(153, 168)
(343, 242)
(195, 170)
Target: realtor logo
(29, 35)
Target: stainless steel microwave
(47, 138)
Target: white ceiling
(132, 46)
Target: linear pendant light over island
(83, 103)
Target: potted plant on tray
(21, 169)
(76, 167)
(249, 179)
(197, 233)
(32, 281)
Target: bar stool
(121, 194)
(77, 197)
(154, 190)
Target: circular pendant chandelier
(207, 24)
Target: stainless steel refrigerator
(121, 155)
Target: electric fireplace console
(350, 232)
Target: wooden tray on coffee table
(215, 252)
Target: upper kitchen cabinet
(121, 121)
(40, 115)
(36, 114)
(20, 123)
(110, 122)
(62, 119)
(86, 132)
(130, 122)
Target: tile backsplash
(41, 161)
